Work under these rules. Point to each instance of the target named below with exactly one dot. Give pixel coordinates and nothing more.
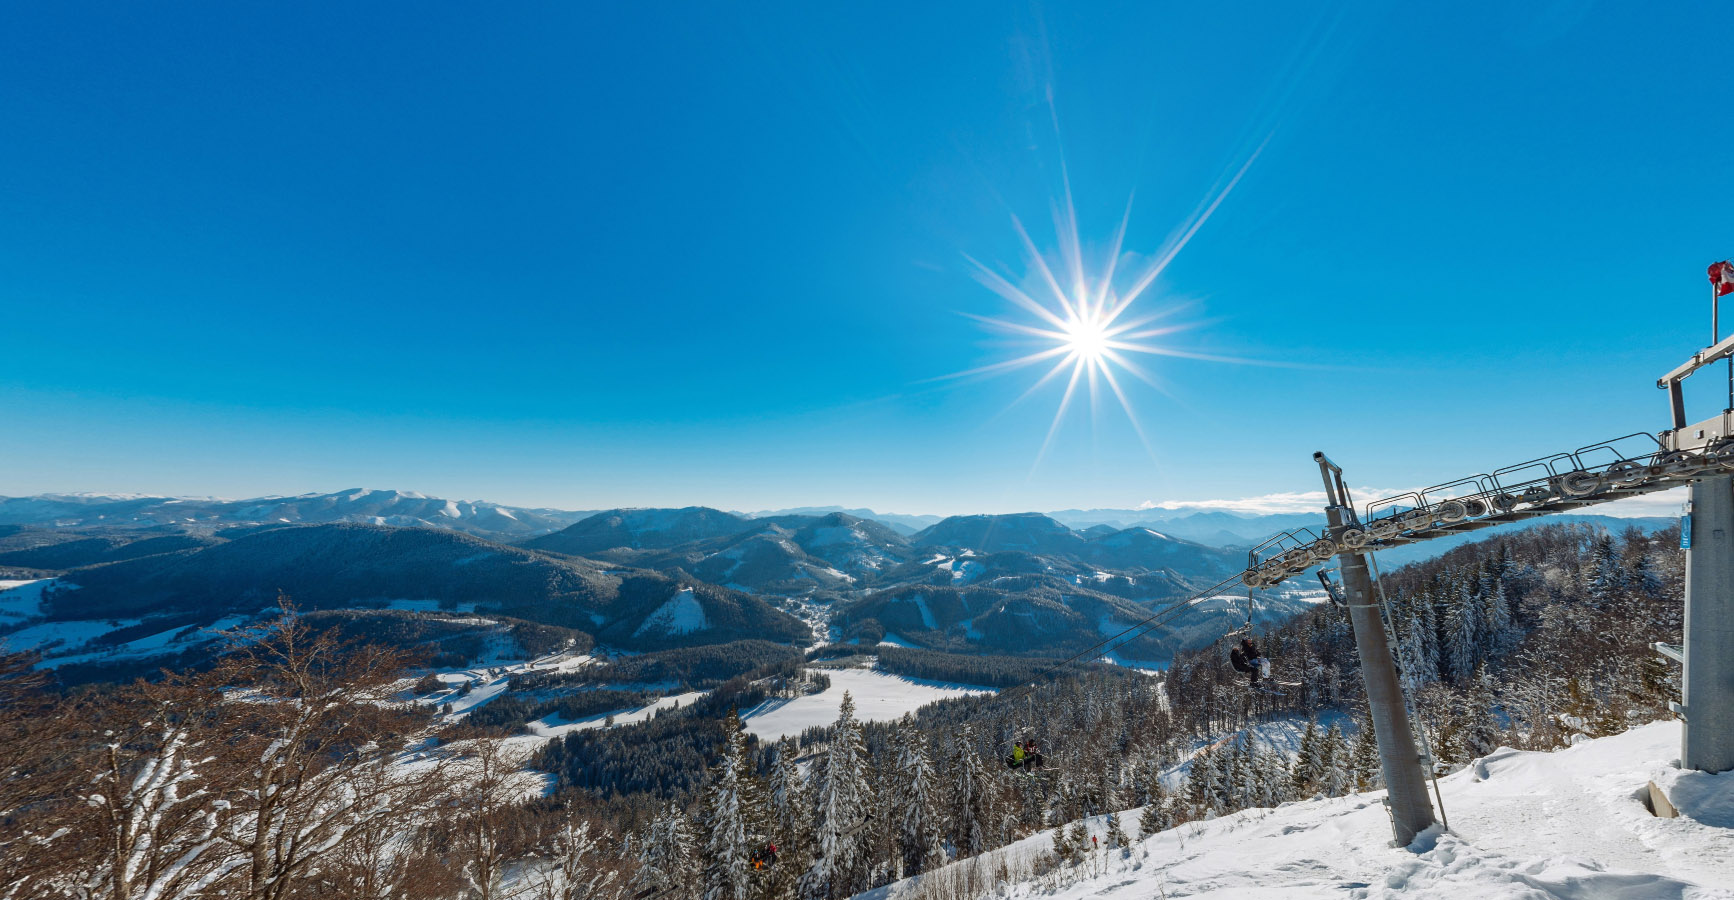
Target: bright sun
(1080, 322)
(1086, 337)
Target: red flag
(1722, 277)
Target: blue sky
(671, 254)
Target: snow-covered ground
(680, 614)
(21, 600)
(879, 697)
(1567, 825)
(491, 679)
(556, 726)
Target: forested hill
(338, 566)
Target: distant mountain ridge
(356, 505)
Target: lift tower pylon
(1706, 654)
(1399, 757)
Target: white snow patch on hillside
(966, 571)
(680, 614)
(22, 599)
(1565, 825)
(879, 697)
(558, 726)
(62, 637)
(920, 602)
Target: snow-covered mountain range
(358, 505)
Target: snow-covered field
(1567, 825)
(879, 697)
(490, 679)
(21, 600)
(556, 726)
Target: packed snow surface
(879, 697)
(1568, 825)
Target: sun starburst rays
(1081, 322)
(1084, 331)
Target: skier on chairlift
(1246, 658)
(1024, 755)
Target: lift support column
(1707, 647)
(1399, 756)
(1707, 694)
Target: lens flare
(1082, 321)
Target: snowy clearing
(879, 697)
(557, 726)
(22, 599)
(1567, 825)
(681, 614)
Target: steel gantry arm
(1628, 466)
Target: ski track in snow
(1525, 826)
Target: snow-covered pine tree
(790, 801)
(1156, 816)
(921, 829)
(665, 855)
(1064, 850)
(1427, 640)
(1480, 731)
(1337, 774)
(1115, 833)
(733, 819)
(1274, 776)
(1237, 777)
(1079, 837)
(971, 814)
(1199, 792)
(1304, 778)
(1364, 756)
(1463, 633)
(844, 799)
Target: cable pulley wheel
(1721, 453)
(1578, 484)
(1678, 464)
(1452, 511)
(1628, 473)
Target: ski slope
(1567, 825)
